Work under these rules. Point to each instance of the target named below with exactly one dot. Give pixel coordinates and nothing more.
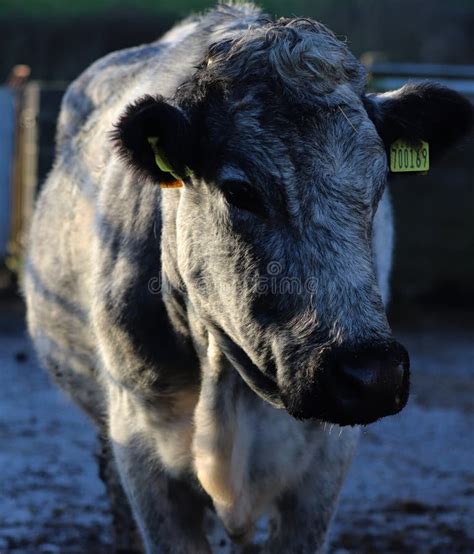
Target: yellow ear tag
(162, 162)
(405, 157)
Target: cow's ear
(421, 111)
(154, 138)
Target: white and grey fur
(186, 383)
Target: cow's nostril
(379, 378)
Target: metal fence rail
(28, 122)
(389, 76)
(7, 150)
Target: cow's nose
(369, 382)
(350, 385)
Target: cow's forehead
(300, 57)
(266, 118)
(338, 149)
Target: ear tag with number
(404, 157)
(162, 162)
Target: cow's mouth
(262, 385)
(354, 387)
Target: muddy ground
(410, 489)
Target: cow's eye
(242, 195)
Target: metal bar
(423, 70)
(26, 161)
(393, 82)
(7, 148)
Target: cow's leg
(303, 513)
(168, 512)
(126, 539)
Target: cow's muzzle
(351, 386)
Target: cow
(208, 269)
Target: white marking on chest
(221, 450)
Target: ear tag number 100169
(405, 157)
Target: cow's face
(283, 161)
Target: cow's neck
(220, 438)
(172, 290)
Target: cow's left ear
(421, 111)
(154, 137)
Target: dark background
(59, 38)
(434, 258)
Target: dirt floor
(410, 489)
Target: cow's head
(283, 160)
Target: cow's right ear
(154, 138)
(423, 111)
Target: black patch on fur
(153, 116)
(421, 111)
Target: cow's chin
(317, 410)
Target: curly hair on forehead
(299, 57)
